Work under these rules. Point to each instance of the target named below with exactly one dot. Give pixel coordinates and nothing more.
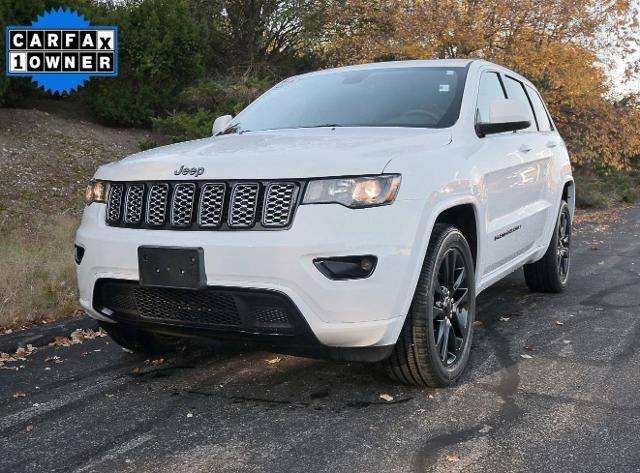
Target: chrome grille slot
(182, 204)
(211, 205)
(114, 204)
(244, 201)
(133, 204)
(278, 204)
(157, 204)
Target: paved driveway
(554, 385)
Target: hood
(281, 154)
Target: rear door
(515, 169)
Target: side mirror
(220, 124)
(504, 115)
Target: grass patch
(604, 190)
(37, 281)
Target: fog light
(347, 267)
(78, 254)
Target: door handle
(551, 144)
(525, 148)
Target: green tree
(161, 50)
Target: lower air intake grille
(235, 309)
(202, 205)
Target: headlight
(353, 192)
(96, 192)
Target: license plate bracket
(171, 267)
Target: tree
(560, 45)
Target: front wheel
(551, 273)
(433, 347)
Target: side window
(490, 89)
(544, 124)
(515, 91)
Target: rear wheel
(551, 273)
(141, 341)
(433, 347)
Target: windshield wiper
(233, 129)
(325, 125)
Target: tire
(141, 341)
(551, 272)
(418, 357)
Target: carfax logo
(61, 50)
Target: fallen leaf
(157, 361)
(54, 359)
(478, 323)
(29, 428)
(524, 355)
(19, 394)
(530, 348)
(566, 342)
(504, 318)
(485, 429)
(85, 353)
(189, 415)
(453, 458)
(386, 397)
(60, 341)
(559, 323)
(275, 360)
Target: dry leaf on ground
(453, 458)
(386, 397)
(275, 360)
(19, 394)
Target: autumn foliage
(563, 46)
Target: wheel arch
(448, 211)
(464, 217)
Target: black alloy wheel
(551, 272)
(564, 240)
(434, 344)
(451, 307)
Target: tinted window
(490, 89)
(426, 97)
(541, 113)
(515, 91)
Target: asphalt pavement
(553, 385)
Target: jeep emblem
(189, 171)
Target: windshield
(427, 97)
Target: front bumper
(352, 313)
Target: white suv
(352, 213)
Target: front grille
(244, 201)
(133, 204)
(114, 205)
(232, 309)
(203, 205)
(182, 204)
(157, 204)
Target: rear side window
(490, 89)
(544, 124)
(515, 91)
